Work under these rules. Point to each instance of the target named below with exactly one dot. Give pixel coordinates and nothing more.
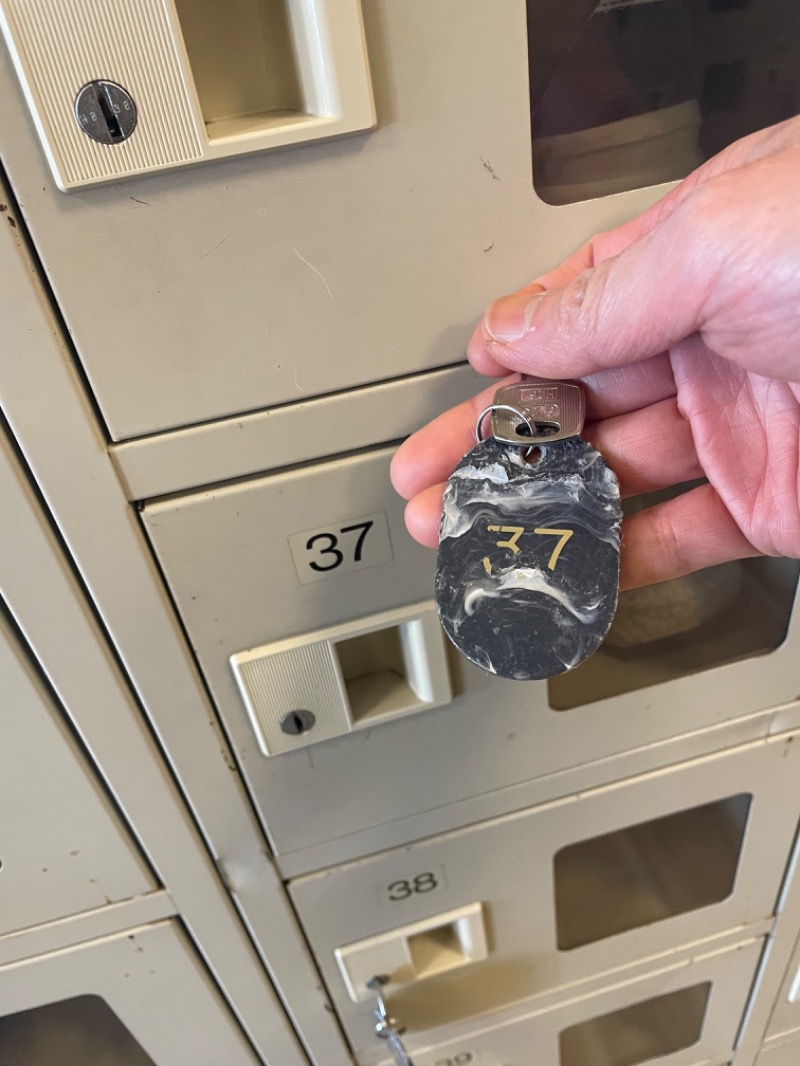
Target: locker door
(62, 847)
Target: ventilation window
(648, 872)
(720, 615)
(648, 1030)
(74, 1032)
(627, 94)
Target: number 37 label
(341, 547)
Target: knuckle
(571, 306)
(668, 541)
(579, 308)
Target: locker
(256, 281)
(566, 892)
(231, 322)
(276, 277)
(685, 1012)
(142, 998)
(63, 849)
(786, 1015)
(780, 1054)
(67, 644)
(294, 554)
(682, 1015)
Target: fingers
(627, 308)
(423, 515)
(621, 389)
(679, 536)
(601, 247)
(488, 359)
(430, 454)
(669, 540)
(582, 309)
(649, 449)
(484, 359)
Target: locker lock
(105, 112)
(295, 723)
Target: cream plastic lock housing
(205, 80)
(320, 685)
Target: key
(386, 1027)
(531, 411)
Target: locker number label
(417, 884)
(341, 547)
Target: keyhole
(109, 114)
(295, 723)
(105, 112)
(543, 429)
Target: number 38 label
(341, 547)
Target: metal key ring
(504, 407)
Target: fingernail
(511, 317)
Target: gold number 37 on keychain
(517, 531)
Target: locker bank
(243, 773)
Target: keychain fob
(527, 574)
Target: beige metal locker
(786, 1016)
(63, 849)
(266, 280)
(149, 978)
(685, 1014)
(289, 554)
(561, 894)
(780, 1054)
(212, 350)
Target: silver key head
(553, 410)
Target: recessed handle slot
(386, 671)
(415, 952)
(244, 63)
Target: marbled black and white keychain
(527, 573)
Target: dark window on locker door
(631, 93)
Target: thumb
(628, 307)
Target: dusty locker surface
(119, 996)
(573, 894)
(66, 841)
(780, 1055)
(117, 932)
(277, 322)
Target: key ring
(504, 407)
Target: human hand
(684, 327)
